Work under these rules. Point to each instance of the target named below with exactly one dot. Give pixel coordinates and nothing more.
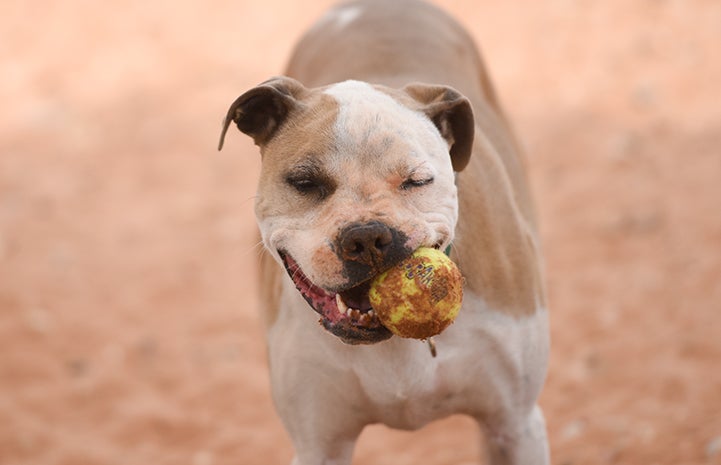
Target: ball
(420, 296)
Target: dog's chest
(407, 388)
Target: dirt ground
(128, 316)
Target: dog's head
(354, 178)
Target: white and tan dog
(394, 140)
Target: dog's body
(358, 174)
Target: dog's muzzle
(365, 250)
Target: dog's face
(354, 179)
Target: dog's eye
(308, 186)
(303, 185)
(410, 183)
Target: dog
(383, 136)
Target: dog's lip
(346, 313)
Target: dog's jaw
(346, 314)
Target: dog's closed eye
(310, 181)
(416, 176)
(304, 186)
(412, 182)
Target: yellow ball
(419, 297)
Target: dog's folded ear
(263, 109)
(452, 114)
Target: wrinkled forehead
(371, 122)
(354, 124)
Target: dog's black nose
(366, 243)
(367, 249)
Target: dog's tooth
(356, 314)
(342, 307)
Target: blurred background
(128, 317)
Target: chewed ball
(420, 296)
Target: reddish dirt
(128, 316)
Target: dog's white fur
(362, 144)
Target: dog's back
(370, 40)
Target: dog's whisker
(251, 198)
(256, 248)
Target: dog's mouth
(347, 314)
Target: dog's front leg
(520, 441)
(322, 432)
(315, 396)
(325, 453)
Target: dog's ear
(263, 109)
(452, 114)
